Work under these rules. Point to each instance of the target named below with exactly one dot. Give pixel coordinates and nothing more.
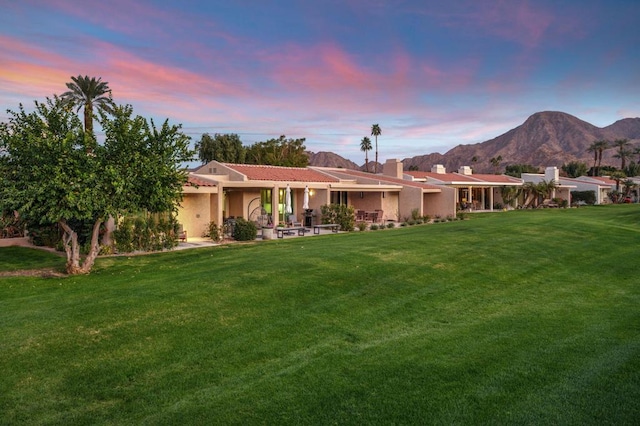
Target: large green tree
(365, 146)
(516, 170)
(376, 131)
(226, 148)
(279, 152)
(48, 176)
(575, 169)
(87, 93)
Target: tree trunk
(72, 248)
(70, 243)
(95, 248)
(375, 166)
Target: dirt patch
(43, 273)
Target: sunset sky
(432, 74)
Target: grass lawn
(525, 317)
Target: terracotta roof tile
(281, 174)
(198, 181)
(384, 178)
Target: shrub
(391, 225)
(373, 227)
(362, 226)
(404, 224)
(214, 232)
(461, 215)
(415, 214)
(426, 218)
(244, 230)
(411, 222)
(340, 214)
(588, 197)
(145, 232)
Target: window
(339, 197)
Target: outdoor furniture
(333, 226)
(280, 232)
(293, 221)
(360, 215)
(379, 214)
(182, 236)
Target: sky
(431, 74)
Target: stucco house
(563, 191)
(218, 191)
(601, 185)
(472, 191)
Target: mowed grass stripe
(522, 317)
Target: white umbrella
(287, 201)
(305, 200)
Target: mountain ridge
(546, 138)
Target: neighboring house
(473, 191)
(565, 185)
(601, 185)
(406, 197)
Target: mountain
(329, 159)
(548, 138)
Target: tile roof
(496, 178)
(281, 174)
(604, 180)
(383, 178)
(459, 177)
(193, 180)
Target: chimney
(551, 173)
(393, 168)
(438, 168)
(465, 170)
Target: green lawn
(526, 317)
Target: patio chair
(293, 221)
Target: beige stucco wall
(441, 204)
(195, 214)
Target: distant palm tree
(597, 147)
(365, 145)
(85, 92)
(495, 162)
(594, 149)
(376, 131)
(623, 152)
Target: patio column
(219, 206)
(491, 198)
(275, 205)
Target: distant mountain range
(546, 138)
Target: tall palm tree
(622, 145)
(376, 131)
(85, 92)
(365, 145)
(594, 148)
(597, 147)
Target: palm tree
(365, 145)
(376, 131)
(594, 148)
(600, 145)
(495, 162)
(623, 151)
(531, 194)
(548, 189)
(85, 92)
